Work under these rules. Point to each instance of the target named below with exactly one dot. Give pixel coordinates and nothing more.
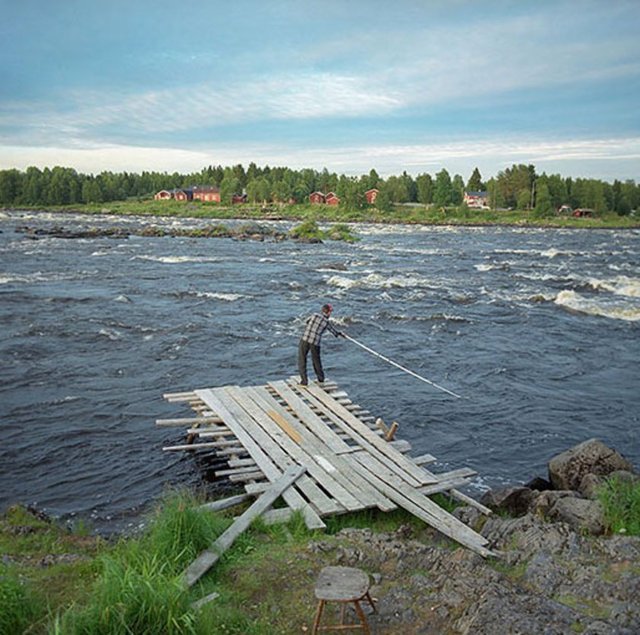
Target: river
(537, 330)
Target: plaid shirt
(317, 324)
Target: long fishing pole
(406, 370)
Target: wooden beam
(235, 417)
(187, 421)
(209, 557)
(225, 503)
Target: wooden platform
(351, 462)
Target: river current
(537, 330)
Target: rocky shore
(557, 572)
(559, 569)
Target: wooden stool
(344, 585)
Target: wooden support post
(209, 557)
(392, 431)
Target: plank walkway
(263, 432)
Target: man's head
(327, 309)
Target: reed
(620, 499)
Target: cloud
(597, 158)
(187, 108)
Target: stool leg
(370, 600)
(316, 622)
(361, 615)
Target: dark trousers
(303, 352)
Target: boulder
(581, 514)
(546, 500)
(589, 485)
(513, 500)
(566, 470)
(538, 484)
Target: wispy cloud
(599, 158)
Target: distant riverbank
(400, 214)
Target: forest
(518, 187)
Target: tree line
(517, 187)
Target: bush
(308, 230)
(621, 501)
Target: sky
(349, 85)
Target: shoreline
(304, 213)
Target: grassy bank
(58, 581)
(412, 214)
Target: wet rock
(513, 500)
(566, 470)
(539, 484)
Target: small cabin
(163, 195)
(476, 200)
(317, 198)
(583, 212)
(183, 195)
(332, 199)
(371, 195)
(238, 198)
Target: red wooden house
(332, 199)
(207, 193)
(183, 195)
(238, 198)
(317, 198)
(371, 196)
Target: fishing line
(406, 370)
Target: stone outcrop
(567, 470)
(570, 494)
(556, 572)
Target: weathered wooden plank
(237, 470)
(191, 446)
(209, 433)
(225, 503)
(444, 486)
(322, 444)
(472, 502)
(281, 447)
(370, 441)
(420, 505)
(198, 604)
(209, 557)
(284, 424)
(311, 420)
(258, 403)
(277, 516)
(241, 462)
(187, 421)
(423, 459)
(243, 477)
(233, 415)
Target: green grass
(620, 499)
(413, 213)
(19, 607)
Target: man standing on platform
(317, 324)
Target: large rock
(580, 513)
(567, 470)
